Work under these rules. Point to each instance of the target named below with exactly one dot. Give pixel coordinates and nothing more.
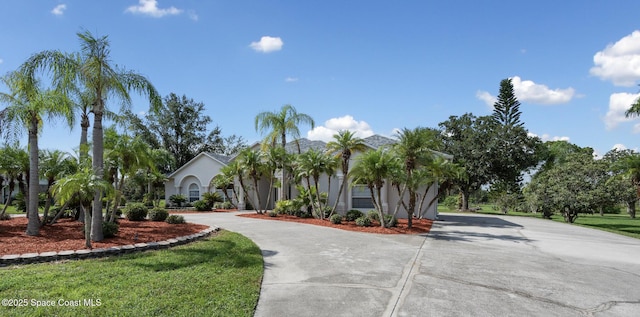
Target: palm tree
(277, 125)
(222, 181)
(413, 148)
(235, 170)
(127, 155)
(10, 167)
(343, 145)
(93, 71)
(27, 105)
(441, 172)
(81, 185)
(251, 162)
(372, 168)
(54, 165)
(272, 161)
(312, 164)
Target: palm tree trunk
(257, 193)
(84, 143)
(378, 204)
(33, 226)
(59, 214)
(98, 169)
(47, 205)
(87, 226)
(9, 199)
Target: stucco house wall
(193, 178)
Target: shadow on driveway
(475, 228)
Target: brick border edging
(31, 258)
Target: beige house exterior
(197, 174)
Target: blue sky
(372, 66)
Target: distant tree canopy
(181, 128)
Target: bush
(178, 199)
(211, 198)
(175, 219)
(227, 205)
(272, 213)
(451, 202)
(217, 205)
(136, 211)
(353, 214)
(109, 229)
(336, 219)
(5, 217)
(287, 207)
(158, 214)
(373, 215)
(390, 221)
(363, 221)
(201, 205)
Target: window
(361, 197)
(194, 192)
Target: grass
(11, 210)
(616, 223)
(219, 276)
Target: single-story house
(193, 179)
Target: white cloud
(546, 137)
(530, 92)
(59, 9)
(619, 62)
(267, 44)
(332, 126)
(291, 79)
(618, 105)
(150, 8)
(487, 98)
(619, 147)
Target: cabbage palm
(344, 144)
(277, 125)
(28, 104)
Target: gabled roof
(222, 159)
(305, 145)
(375, 141)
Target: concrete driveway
(468, 265)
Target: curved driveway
(468, 265)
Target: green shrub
(373, 215)
(390, 221)
(109, 229)
(211, 198)
(288, 207)
(158, 214)
(336, 219)
(175, 219)
(136, 211)
(272, 213)
(363, 221)
(227, 205)
(217, 205)
(451, 202)
(201, 205)
(178, 199)
(353, 214)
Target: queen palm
(251, 161)
(28, 104)
(344, 143)
(277, 125)
(93, 72)
(312, 164)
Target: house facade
(197, 174)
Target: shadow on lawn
(221, 253)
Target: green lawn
(219, 276)
(616, 223)
(11, 210)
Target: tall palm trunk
(47, 204)
(84, 143)
(87, 226)
(98, 169)
(257, 193)
(12, 187)
(33, 226)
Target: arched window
(194, 192)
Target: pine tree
(506, 111)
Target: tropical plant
(54, 165)
(28, 104)
(343, 145)
(91, 71)
(372, 168)
(277, 125)
(10, 166)
(251, 162)
(81, 185)
(311, 165)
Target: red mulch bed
(68, 234)
(191, 211)
(419, 225)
